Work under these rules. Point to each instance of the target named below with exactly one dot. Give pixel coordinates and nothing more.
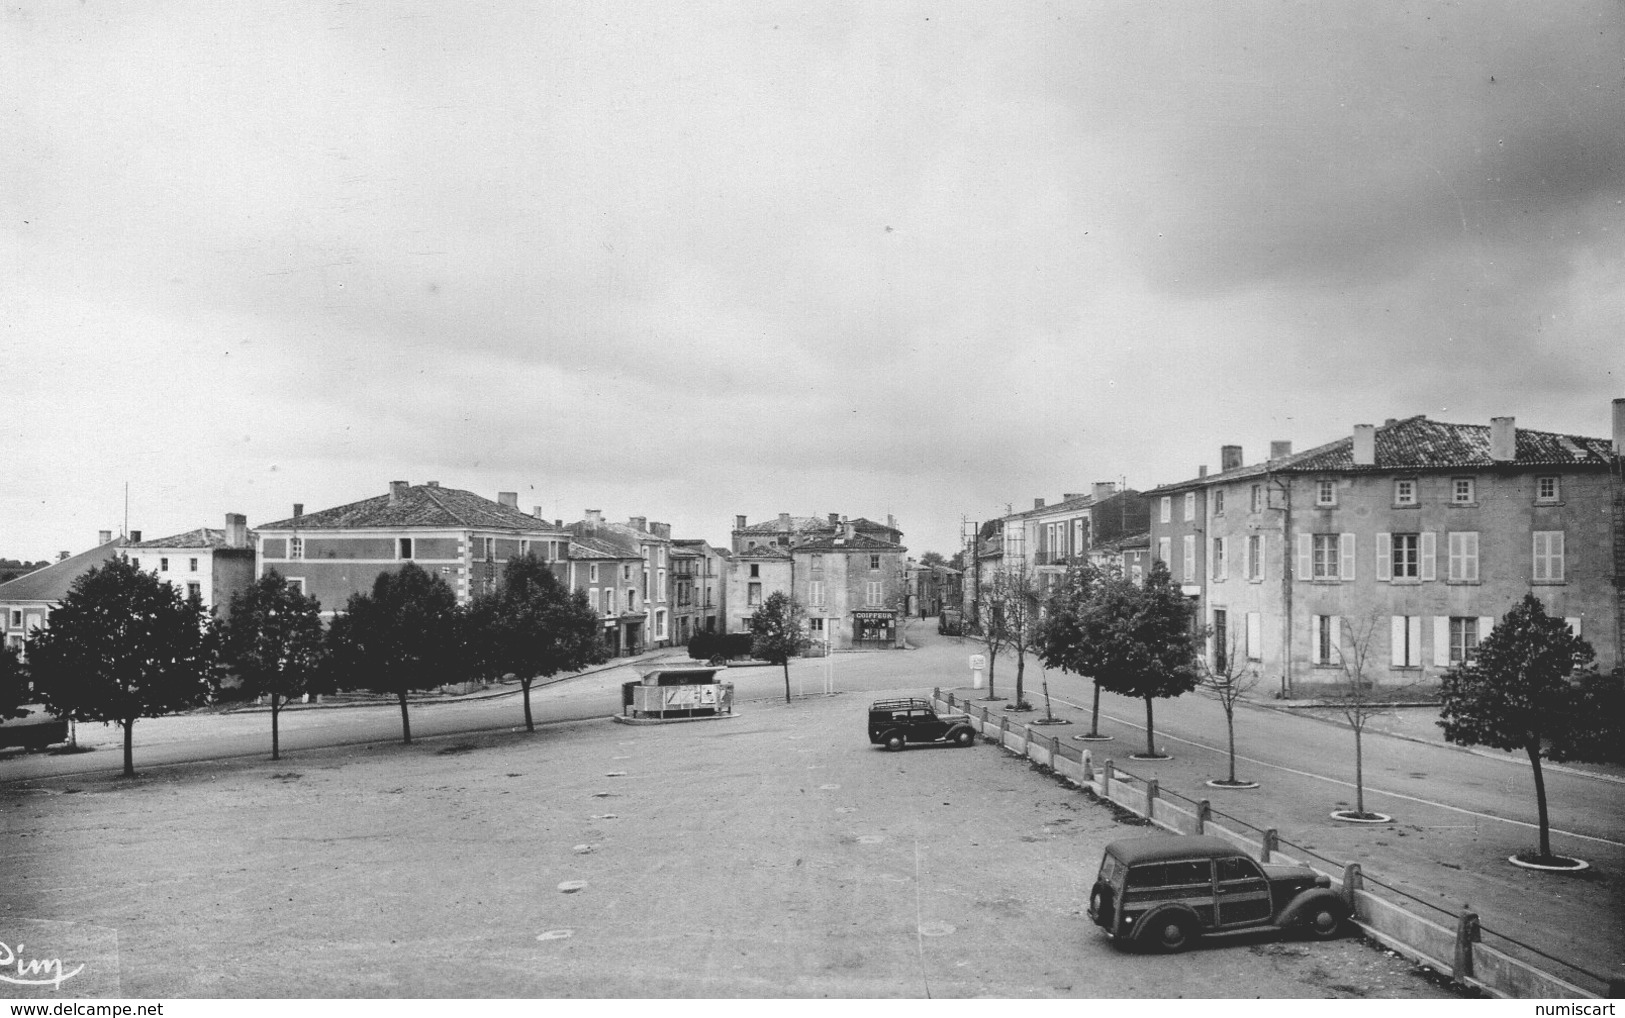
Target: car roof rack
(902, 704)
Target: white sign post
(978, 666)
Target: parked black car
(951, 622)
(1165, 892)
(896, 723)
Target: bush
(719, 646)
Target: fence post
(1151, 799)
(1352, 881)
(1272, 843)
(1106, 781)
(1467, 932)
(1204, 813)
(1088, 766)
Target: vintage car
(1164, 892)
(951, 622)
(896, 723)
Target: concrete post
(1467, 933)
(1151, 788)
(1204, 813)
(1272, 843)
(1352, 881)
(1106, 781)
(1088, 767)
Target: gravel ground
(773, 854)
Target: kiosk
(677, 693)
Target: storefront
(874, 627)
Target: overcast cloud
(687, 261)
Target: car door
(926, 726)
(1244, 893)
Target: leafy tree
(932, 559)
(1520, 691)
(124, 645)
(1066, 639)
(273, 640)
(1229, 678)
(533, 626)
(778, 633)
(404, 636)
(1144, 645)
(14, 690)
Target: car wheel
(965, 737)
(1101, 903)
(1324, 921)
(1173, 933)
(895, 742)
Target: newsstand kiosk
(676, 693)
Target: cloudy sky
(687, 261)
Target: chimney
(1619, 427)
(557, 524)
(1503, 439)
(507, 498)
(1281, 450)
(434, 484)
(1229, 457)
(595, 517)
(638, 523)
(396, 490)
(661, 530)
(835, 518)
(236, 530)
(63, 556)
(1038, 503)
(103, 536)
(298, 509)
(536, 511)
(739, 523)
(1201, 471)
(891, 521)
(784, 521)
(1365, 445)
(1390, 422)
(135, 537)
(846, 529)
(1102, 490)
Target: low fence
(1438, 938)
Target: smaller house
(208, 563)
(27, 601)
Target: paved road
(1457, 816)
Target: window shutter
(1469, 556)
(1337, 640)
(1263, 544)
(1189, 574)
(1441, 640)
(1255, 636)
(1346, 557)
(1396, 641)
(1414, 644)
(1314, 639)
(1485, 624)
(1306, 556)
(1224, 557)
(1430, 551)
(1385, 557)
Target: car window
(1151, 875)
(1108, 868)
(1199, 872)
(1239, 869)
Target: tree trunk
(1021, 669)
(1094, 725)
(1540, 799)
(1150, 737)
(992, 662)
(786, 664)
(1230, 729)
(406, 719)
(276, 701)
(129, 747)
(529, 725)
(1359, 774)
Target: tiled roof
(202, 537)
(1417, 443)
(420, 505)
(812, 525)
(604, 544)
(857, 542)
(763, 551)
(678, 551)
(52, 582)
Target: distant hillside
(11, 568)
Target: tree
(932, 559)
(124, 645)
(1229, 678)
(1017, 604)
(1530, 686)
(273, 640)
(1356, 703)
(1145, 645)
(404, 636)
(534, 627)
(993, 635)
(1066, 639)
(778, 633)
(14, 691)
